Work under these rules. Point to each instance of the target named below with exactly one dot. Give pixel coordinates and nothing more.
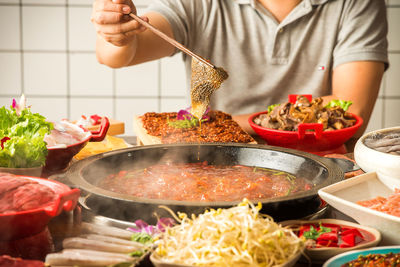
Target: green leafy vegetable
(339, 103)
(314, 233)
(271, 107)
(141, 237)
(136, 253)
(187, 123)
(25, 147)
(123, 264)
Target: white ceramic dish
(157, 262)
(344, 195)
(386, 165)
(341, 259)
(322, 254)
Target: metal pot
(86, 174)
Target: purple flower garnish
(19, 106)
(143, 227)
(184, 114)
(164, 223)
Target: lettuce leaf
(26, 147)
(270, 108)
(341, 103)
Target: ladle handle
(170, 40)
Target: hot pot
(87, 173)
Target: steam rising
(129, 208)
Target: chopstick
(170, 40)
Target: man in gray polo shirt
(270, 48)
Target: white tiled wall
(47, 52)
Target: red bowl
(59, 158)
(310, 137)
(22, 224)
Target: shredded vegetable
(238, 236)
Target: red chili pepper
(3, 140)
(346, 231)
(350, 237)
(331, 236)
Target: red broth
(204, 182)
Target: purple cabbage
(184, 114)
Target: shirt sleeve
(363, 33)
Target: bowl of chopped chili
(326, 238)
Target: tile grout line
(108, 96)
(21, 46)
(382, 124)
(159, 86)
(114, 95)
(68, 63)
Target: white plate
(344, 195)
(322, 254)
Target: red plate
(27, 223)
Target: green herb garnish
(314, 233)
(271, 107)
(136, 253)
(339, 103)
(143, 238)
(187, 123)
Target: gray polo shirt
(267, 60)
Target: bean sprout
(238, 236)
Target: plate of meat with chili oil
(182, 127)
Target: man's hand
(112, 22)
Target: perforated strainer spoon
(206, 78)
